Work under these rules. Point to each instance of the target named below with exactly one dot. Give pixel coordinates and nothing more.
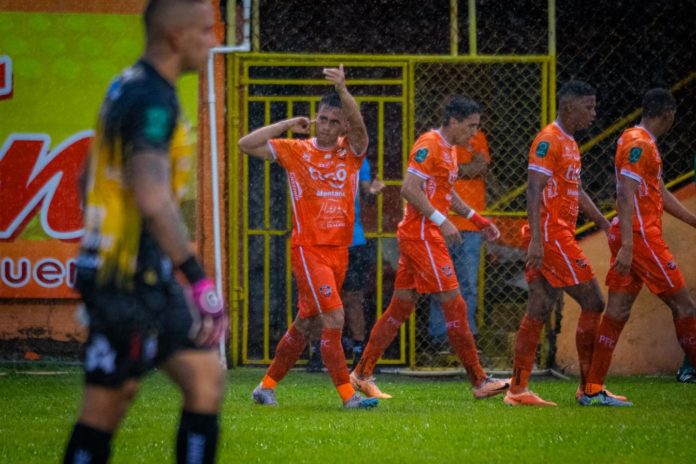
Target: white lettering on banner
(328, 193)
(46, 272)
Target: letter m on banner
(32, 179)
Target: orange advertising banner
(37, 269)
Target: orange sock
(461, 339)
(585, 336)
(607, 335)
(686, 334)
(526, 342)
(288, 351)
(383, 334)
(335, 361)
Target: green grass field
(426, 421)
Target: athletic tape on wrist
(437, 217)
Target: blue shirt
(358, 232)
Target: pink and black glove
(207, 302)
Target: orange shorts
(425, 266)
(653, 264)
(564, 264)
(319, 272)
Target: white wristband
(471, 213)
(437, 217)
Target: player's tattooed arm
(148, 176)
(535, 185)
(675, 208)
(357, 132)
(588, 207)
(256, 142)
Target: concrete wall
(648, 344)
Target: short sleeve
(148, 124)
(364, 174)
(542, 154)
(285, 151)
(422, 160)
(634, 158)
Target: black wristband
(192, 270)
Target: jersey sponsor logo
(156, 123)
(634, 154)
(325, 291)
(335, 179)
(572, 173)
(542, 149)
(421, 154)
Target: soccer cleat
(367, 386)
(526, 398)
(265, 396)
(687, 375)
(358, 402)
(602, 399)
(490, 387)
(580, 391)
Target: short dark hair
(657, 102)
(331, 99)
(575, 89)
(156, 8)
(459, 107)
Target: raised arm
(675, 208)
(256, 142)
(412, 192)
(357, 132)
(536, 182)
(588, 207)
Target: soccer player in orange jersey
(323, 177)
(555, 261)
(638, 252)
(425, 265)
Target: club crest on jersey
(671, 265)
(635, 154)
(325, 291)
(341, 153)
(421, 154)
(446, 270)
(542, 149)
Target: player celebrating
(323, 178)
(638, 252)
(555, 261)
(425, 265)
(134, 235)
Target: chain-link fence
(619, 49)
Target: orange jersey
(323, 184)
(556, 154)
(435, 161)
(472, 191)
(638, 158)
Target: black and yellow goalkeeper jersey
(140, 114)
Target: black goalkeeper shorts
(130, 333)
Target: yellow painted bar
(350, 82)
(552, 57)
(233, 211)
(295, 98)
(377, 61)
(544, 95)
(473, 41)
(245, 228)
(454, 28)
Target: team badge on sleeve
(635, 154)
(156, 123)
(325, 291)
(421, 154)
(542, 149)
